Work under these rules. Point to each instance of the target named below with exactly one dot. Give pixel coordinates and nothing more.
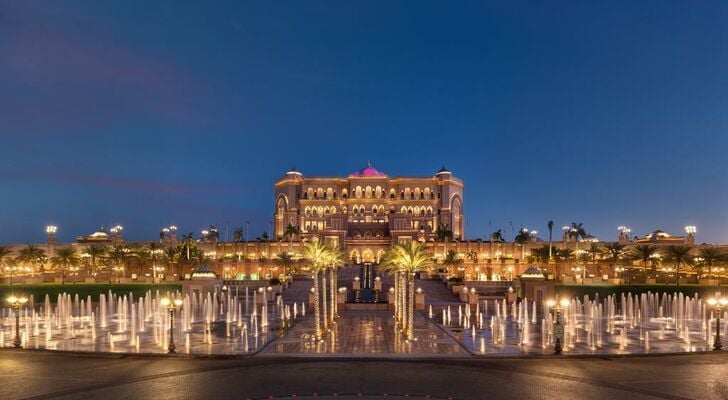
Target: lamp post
(172, 306)
(556, 305)
(17, 302)
(717, 304)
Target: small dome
(443, 170)
(203, 272)
(532, 272)
(293, 171)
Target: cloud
(63, 73)
(122, 183)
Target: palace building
(367, 211)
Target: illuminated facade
(367, 211)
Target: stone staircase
(298, 291)
(436, 292)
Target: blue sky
(147, 114)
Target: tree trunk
(323, 297)
(396, 299)
(400, 313)
(677, 274)
(316, 310)
(411, 308)
(333, 295)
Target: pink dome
(369, 171)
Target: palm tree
(315, 253)
(522, 238)
(64, 258)
(335, 259)
(452, 260)
(577, 231)
(290, 233)
(5, 253)
(410, 258)
(188, 242)
(614, 254)
(564, 255)
(95, 252)
(237, 238)
(388, 264)
(497, 236)
(30, 255)
(119, 257)
(171, 254)
(550, 225)
(542, 254)
(709, 257)
(472, 255)
(595, 251)
(443, 234)
(238, 234)
(678, 255)
(645, 254)
(285, 261)
(156, 250)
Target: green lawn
(85, 289)
(607, 289)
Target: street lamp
(717, 304)
(557, 305)
(172, 306)
(17, 302)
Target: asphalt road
(46, 375)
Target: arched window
(417, 193)
(409, 210)
(368, 192)
(404, 210)
(327, 210)
(407, 193)
(378, 192)
(345, 194)
(357, 192)
(329, 193)
(310, 193)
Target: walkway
(366, 333)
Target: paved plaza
(47, 375)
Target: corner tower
(451, 202)
(288, 192)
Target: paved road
(43, 375)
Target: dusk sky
(151, 113)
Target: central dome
(368, 171)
